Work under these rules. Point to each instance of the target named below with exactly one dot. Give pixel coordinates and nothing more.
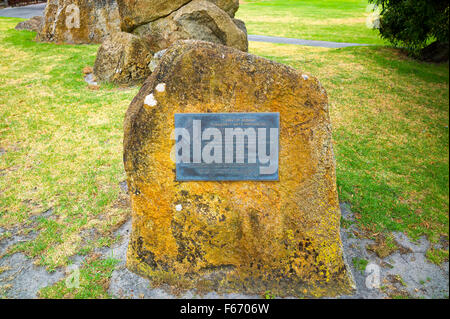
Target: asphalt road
(30, 11)
(25, 12)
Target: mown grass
(62, 147)
(360, 264)
(61, 143)
(390, 120)
(337, 20)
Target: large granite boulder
(79, 21)
(138, 12)
(241, 25)
(229, 6)
(33, 24)
(199, 20)
(123, 59)
(245, 236)
(134, 13)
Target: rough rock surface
(419, 277)
(156, 59)
(199, 20)
(33, 24)
(79, 21)
(241, 25)
(135, 13)
(229, 6)
(123, 59)
(19, 278)
(238, 236)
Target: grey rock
(25, 279)
(123, 59)
(229, 6)
(125, 284)
(199, 20)
(33, 24)
(241, 25)
(156, 59)
(90, 79)
(422, 279)
(79, 21)
(139, 12)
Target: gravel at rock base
(409, 274)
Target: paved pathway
(30, 11)
(25, 12)
(312, 43)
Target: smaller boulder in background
(156, 59)
(33, 24)
(229, 6)
(123, 59)
(200, 20)
(79, 21)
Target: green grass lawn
(62, 147)
(390, 119)
(61, 143)
(337, 20)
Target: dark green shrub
(414, 23)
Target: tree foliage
(414, 23)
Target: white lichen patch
(161, 87)
(179, 208)
(150, 100)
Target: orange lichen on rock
(246, 236)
